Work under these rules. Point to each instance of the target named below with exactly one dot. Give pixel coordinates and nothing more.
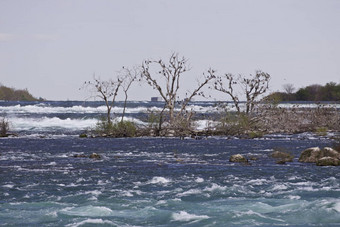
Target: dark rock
(281, 162)
(253, 158)
(79, 156)
(310, 155)
(282, 156)
(95, 156)
(238, 158)
(328, 161)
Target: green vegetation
(239, 124)
(119, 129)
(321, 131)
(329, 92)
(11, 94)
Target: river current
(154, 181)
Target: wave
(88, 211)
(185, 216)
(159, 180)
(19, 109)
(46, 109)
(55, 123)
(92, 222)
(46, 123)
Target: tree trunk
(160, 121)
(109, 115)
(171, 114)
(126, 97)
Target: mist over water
(154, 181)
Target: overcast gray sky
(52, 46)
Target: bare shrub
(298, 119)
(4, 127)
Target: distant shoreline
(12, 94)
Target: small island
(12, 94)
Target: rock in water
(330, 152)
(324, 157)
(281, 162)
(237, 158)
(310, 155)
(94, 155)
(282, 157)
(328, 161)
(80, 156)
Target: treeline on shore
(12, 94)
(315, 92)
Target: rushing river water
(153, 181)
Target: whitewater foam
(87, 211)
(253, 213)
(279, 187)
(257, 182)
(215, 187)
(159, 180)
(205, 124)
(184, 216)
(38, 124)
(337, 206)
(92, 221)
(199, 180)
(294, 197)
(190, 192)
(8, 186)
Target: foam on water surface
(184, 216)
(92, 222)
(159, 180)
(88, 211)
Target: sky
(51, 47)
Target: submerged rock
(238, 158)
(310, 155)
(79, 156)
(328, 161)
(281, 162)
(253, 158)
(93, 155)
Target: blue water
(159, 181)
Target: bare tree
(219, 85)
(252, 87)
(166, 81)
(127, 77)
(107, 90)
(288, 88)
